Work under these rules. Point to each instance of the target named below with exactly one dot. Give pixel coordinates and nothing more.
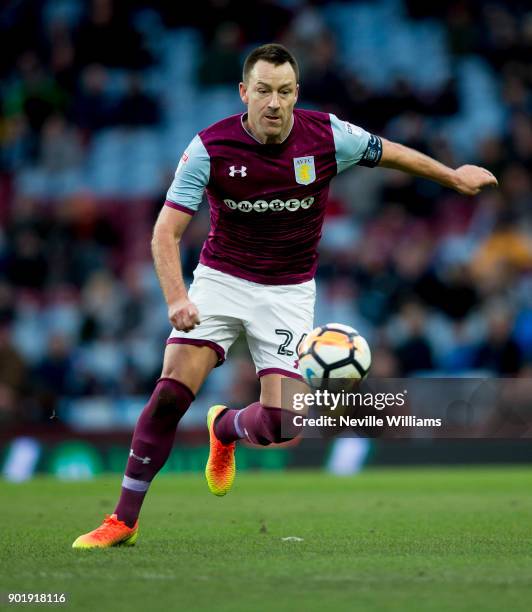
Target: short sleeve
(353, 145)
(191, 178)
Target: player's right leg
(185, 368)
(277, 319)
(260, 423)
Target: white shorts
(274, 317)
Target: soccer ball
(333, 351)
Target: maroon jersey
(267, 201)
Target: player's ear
(242, 88)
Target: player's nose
(274, 101)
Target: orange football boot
(221, 468)
(111, 532)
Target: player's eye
(262, 91)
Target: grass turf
(429, 539)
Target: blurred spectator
(34, 93)
(19, 29)
(492, 155)
(103, 301)
(401, 188)
(442, 102)
(501, 38)
(132, 316)
(361, 107)
(137, 108)
(26, 262)
(384, 362)
(517, 188)
(499, 353)
(93, 108)
(411, 260)
(414, 352)
(7, 303)
(506, 247)
(269, 20)
(61, 54)
(28, 214)
(52, 377)
(221, 62)
(60, 146)
(102, 366)
(378, 285)
(12, 376)
(322, 81)
(460, 357)
(462, 29)
(17, 144)
(83, 241)
(452, 292)
(515, 93)
(520, 142)
(107, 37)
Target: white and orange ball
(333, 351)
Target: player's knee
(165, 400)
(170, 396)
(278, 425)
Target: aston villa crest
(305, 170)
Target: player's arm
(182, 201)
(468, 179)
(355, 146)
(167, 233)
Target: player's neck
(254, 133)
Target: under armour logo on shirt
(233, 171)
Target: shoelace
(108, 523)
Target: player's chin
(273, 130)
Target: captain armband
(373, 152)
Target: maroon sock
(151, 445)
(224, 427)
(257, 423)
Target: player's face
(270, 95)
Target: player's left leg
(184, 370)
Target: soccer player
(266, 174)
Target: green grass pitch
(428, 539)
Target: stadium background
(97, 102)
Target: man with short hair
(266, 174)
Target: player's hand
(470, 180)
(183, 315)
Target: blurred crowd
(438, 282)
